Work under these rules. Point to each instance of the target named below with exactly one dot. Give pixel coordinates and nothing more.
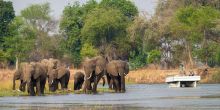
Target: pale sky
(57, 6)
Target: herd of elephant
(35, 74)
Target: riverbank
(140, 76)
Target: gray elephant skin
(116, 72)
(94, 69)
(19, 75)
(35, 75)
(59, 75)
(78, 80)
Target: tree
(154, 57)
(125, 6)
(88, 50)
(6, 16)
(71, 24)
(192, 25)
(104, 28)
(38, 18)
(20, 41)
(102, 25)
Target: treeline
(180, 31)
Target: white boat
(182, 81)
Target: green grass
(6, 90)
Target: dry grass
(152, 76)
(149, 75)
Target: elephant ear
(98, 69)
(111, 69)
(61, 72)
(37, 70)
(100, 64)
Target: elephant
(35, 75)
(59, 75)
(116, 71)
(79, 80)
(19, 75)
(50, 63)
(94, 69)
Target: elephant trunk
(122, 83)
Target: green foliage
(217, 56)
(125, 6)
(37, 12)
(19, 43)
(194, 21)
(102, 25)
(6, 16)
(97, 27)
(154, 56)
(71, 25)
(137, 59)
(88, 50)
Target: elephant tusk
(89, 77)
(52, 82)
(125, 74)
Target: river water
(137, 96)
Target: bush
(88, 50)
(137, 60)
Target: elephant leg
(122, 83)
(38, 87)
(80, 84)
(63, 83)
(42, 85)
(119, 81)
(21, 86)
(113, 86)
(75, 85)
(116, 84)
(96, 81)
(95, 85)
(87, 86)
(67, 81)
(31, 89)
(110, 82)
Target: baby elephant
(78, 80)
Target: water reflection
(138, 96)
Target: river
(137, 96)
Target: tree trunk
(16, 63)
(190, 55)
(205, 46)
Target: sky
(57, 6)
